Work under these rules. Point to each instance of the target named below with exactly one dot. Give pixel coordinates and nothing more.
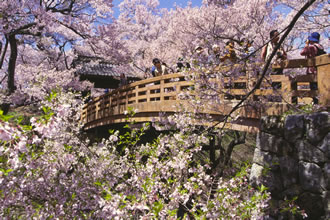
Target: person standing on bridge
(159, 68)
(123, 79)
(312, 49)
(268, 49)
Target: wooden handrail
(160, 94)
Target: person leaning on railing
(159, 68)
(311, 50)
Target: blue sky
(169, 3)
(164, 4)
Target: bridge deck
(161, 95)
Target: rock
(291, 192)
(271, 143)
(317, 126)
(271, 180)
(293, 128)
(324, 146)
(289, 171)
(256, 174)
(326, 200)
(274, 184)
(295, 161)
(310, 176)
(266, 159)
(307, 152)
(326, 171)
(272, 125)
(312, 204)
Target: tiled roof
(103, 69)
(91, 68)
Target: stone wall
(292, 158)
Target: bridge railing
(153, 90)
(160, 94)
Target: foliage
(301, 109)
(290, 206)
(47, 170)
(151, 32)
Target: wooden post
(110, 105)
(136, 94)
(118, 101)
(97, 108)
(323, 79)
(162, 81)
(286, 91)
(126, 97)
(148, 93)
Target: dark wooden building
(100, 72)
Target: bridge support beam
(323, 79)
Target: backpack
(320, 51)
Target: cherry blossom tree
(49, 28)
(216, 22)
(49, 169)
(179, 31)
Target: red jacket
(310, 51)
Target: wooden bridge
(153, 96)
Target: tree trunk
(3, 53)
(12, 63)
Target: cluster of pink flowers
(49, 170)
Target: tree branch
(21, 29)
(289, 28)
(12, 63)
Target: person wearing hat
(312, 49)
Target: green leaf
(27, 127)
(5, 117)
(6, 172)
(98, 183)
(172, 213)
(107, 197)
(262, 188)
(157, 207)
(68, 147)
(45, 109)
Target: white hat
(198, 48)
